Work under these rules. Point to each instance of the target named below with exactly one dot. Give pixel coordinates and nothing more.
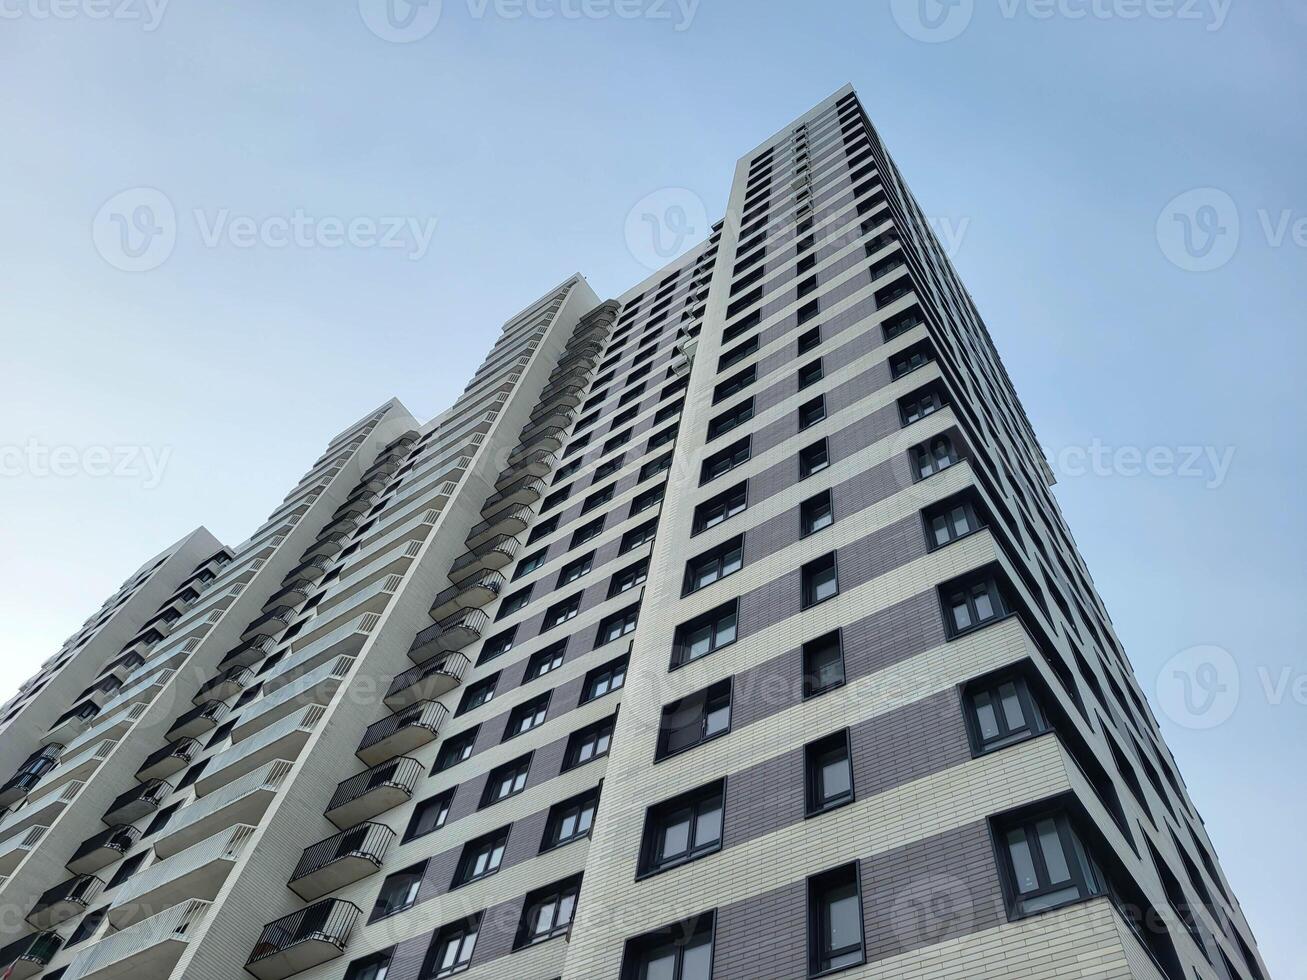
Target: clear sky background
(1051, 146)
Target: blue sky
(1052, 139)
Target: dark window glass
(730, 419)
(629, 577)
(1046, 864)
(820, 580)
(681, 829)
(951, 519)
(637, 536)
(917, 406)
(694, 719)
(547, 912)
(655, 466)
(514, 603)
(811, 412)
(617, 625)
(703, 570)
(561, 612)
(724, 460)
(455, 749)
(829, 772)
(451, 949)
(87, 927)
(809, 340)
(816, 513)
(682, 951)
(573, 570)
(587, 532)
(823, 664)
(589, 743)
(814, 458)
(571, 820)
(429, 815)
(973, 603)
(835, 935)
(482, 692)
(374, 967)
(542, 529)
(531, 714)
(545, 660)
(398, 892)
(810, 373)
(720, 508)
(646, 499)
(605, 679)
(934, 456)
(529, 564)
(704, 634)
(735, 384)
(506, 780)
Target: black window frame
(694, 711)
(816, 801)
(711, 618)
(694, 804)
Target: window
(820, 580)
(451, 949)
(529, 564)
(809, 340)
(577, 444)
(1045, 863)
(936, 455)
(668, 412)
(638, 536)
(561, 612)
(429, 815)
(629, 577)
(587, 532)
(515, 602)
(456, 749)
(482, 692)
(811, 412)
(617, 625)
(813, 459)
(730, 419)
(481, 857)
(808, 310)
(598, 499)
(506, 780)
(660, 438)
(829, 773)
(646, 499)
(683, 828)
(705, 634)
(543, 661)
(694, 719)
(606, 469)
(497, 645)
(816, 513)
(527, 716)
(917, 406)
(570, 820)
(631, 395)
(909, 360)
(617, 441)
(810, 374)
(374, 967)
(398, 892)
(681, 951)
(972, 604)
(555, 498)
(1003, 711)
(703, 570)
(950, 520)
(823, 664)
(835, 939)
(87, 927)
(724, 460)
(589, 743)
(735, 384)
(573, 570)
(655, 466)
(547, 912)
(542, 529)
(565, 471)
(738, 353)
(604, 679)
(725, 505)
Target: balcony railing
(549, 437)
(340, 860)
(248, 653)
(156, 944)
(197, 872)
(469, 595)
(536, 463)
(510, 522)
(170, 759)
(243, 801)
(287, 597)
(230, 682)
(269, 623)
(200, 719)
(65, 900)
(103, 849)
(401, 732)
(30, 955)
(303, 939)
(308, 571)
(452, 633)
(525, 491)
(494, 554)
(14, 850)
(136, 803)
(373, 791)
(427, 681)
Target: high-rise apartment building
(725, 629)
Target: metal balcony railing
(199, 719)
(471, 594)
(495, 553)
(401, 773)
(174, 756)
(119, 839)
(229, 682)
(137, 802)
(323, 928)
(270, 622)
(452, 666)
(536, 463)
(527, 490)
(549, 437)
(368, 841)
(249, 652)
(424, 715)
(308, 571)
(288, 596)
(161, 935)
(64, 900)
(28, 956)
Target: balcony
(373, 792)
(357, 505)
(553, 418)
(303, 939)
(341, 860)
(283, 740)
(528, 490)
(29, 956)
(104, 849)
(39, 814)
(226, 685)
(346, 524)
(248, 653)
(507, 523)
(538, 463)
(549, 437)
(310, 654)
(289, 597)
(101, 691)
(449, 635)
(493, 555)
(316, 687)
(243, 801)
(307, 571)
(327, 545)
(150, 948)
(137, 803)
(14, 850)
(573, 378)
(169, 760)
(197, 872)
(405, 731)
(470, 595)
(70, 725)
(199, 720)
(426, 682)
(29, 774)
(65, 900)
(567, 396)
(123, 666)
(270, 623)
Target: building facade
(725, 629)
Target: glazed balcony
(170, 759)
(374, 791)
(16, 849)
(402, 732)
(509, 522)
(243, 801)
(537, 463)
(104, 849)
(341, 860)
(270, 623)
(137, 803)
(491, 556)
(29, 956)
(226, 685)
(303, 939)
(470, 595)
(151, 948)
(199, 720)
(527, 490)
(65, 900)
(197, 872)
(283, 740)
(426, 682)
(249, 653)
(452, 633)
